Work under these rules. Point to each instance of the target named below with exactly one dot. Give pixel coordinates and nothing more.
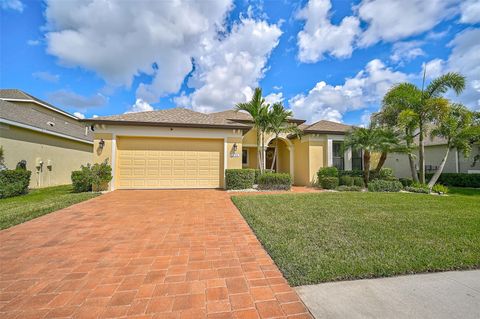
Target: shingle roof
(25, 115)
(242, 116)
(324, 126)
(16, 94)
(171, 117)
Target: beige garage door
(168, 163)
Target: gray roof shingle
(25, 115)
(324, 126)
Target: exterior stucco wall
(283, 158)
(301, 162)
(234, 159)
(317, 159)
(434, 156)
(64, 155)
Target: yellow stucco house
(181, 148)
(52, 142)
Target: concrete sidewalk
(454, 294)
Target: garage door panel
(168, 163)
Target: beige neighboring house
(52, 142)
(181, 148)
(434, 153)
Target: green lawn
(38, 202)
(335, 236)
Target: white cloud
(140, 106)
(16, 5)
(79, 115)
(434, 68)
(46, 76)
(403, 52)
(119, 40)
(71, 99)
(365, 119)
(391, 20)
(33, 42)
(319, 36)
(229, 68)
(470, 11)
(330, 102)
(274, 98)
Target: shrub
(380, 185)
(352, 173)
(239, 178)
(274, 181)
(406, 182)
(101, 176)
(257, 174)
(344, 188)
(458, 179)
(14, 182)
(326, 172)
(82, 180)
(90, 178)
(418, 188)
(346, 180)
(385, 174)
(358, 181)
(440, 189)
(329, 182)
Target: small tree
(258, 110)
(278, 123)
(368, 140)
(455, 125)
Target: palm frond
(443, 83)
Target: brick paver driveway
(151, 254)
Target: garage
(156, 163)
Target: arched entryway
(283, 163)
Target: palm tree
(258, 110)
(368, 140)
(418, 107)
(455, 125)
(390, 143)
(278, 123)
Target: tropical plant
(278, 123)
(367, 139)
(390, 143)
(417, 107)
(258, 110)
(455, 125)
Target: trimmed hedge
(352, 173)
(458, 179)
(380, 185)
(329, 182)
(358, 181)
(275, 181)
(257, 174)
(239, 178)
(14, 182)
(344, 188)
(346, 180)
(327, 172)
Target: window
(338, 160)
(357, 160)
(244, 157)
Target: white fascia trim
(336, 137)
(44, 105)
(329, 152)
(36, 129)
(176, 132)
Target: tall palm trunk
(413, 170)
(275, 153)
(381, 162)
(439, 170)
(366, 168)
(421, 154)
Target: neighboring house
(434, 153)
(181, 148)
(51, 141)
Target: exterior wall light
(101, 144)
(235, 147)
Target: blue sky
(324, 60)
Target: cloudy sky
(324, 59)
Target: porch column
(292, 166)
(264, 152)
(347, 159)
(329, 152)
